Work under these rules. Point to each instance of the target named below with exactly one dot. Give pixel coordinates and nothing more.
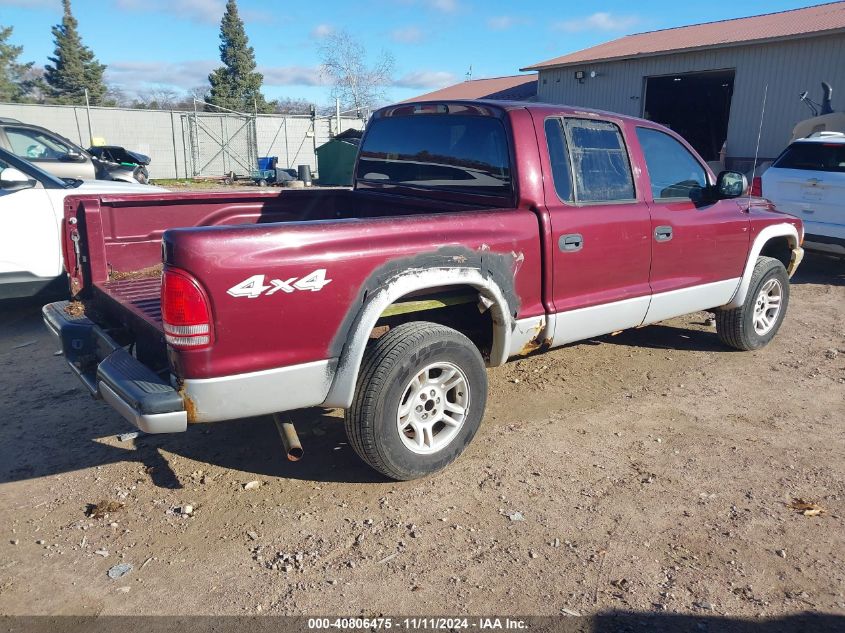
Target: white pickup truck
(31, 212)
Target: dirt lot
(646, 472)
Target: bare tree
(291, 105)
(354, 81)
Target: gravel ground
(649, 472)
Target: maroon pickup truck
(475, 232)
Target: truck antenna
(757, 149)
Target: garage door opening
(695, 105)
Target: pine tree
(15, 78)
(74, 67)
(236, 85)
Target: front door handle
(571, 243)
(663, 233)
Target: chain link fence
(187, 144)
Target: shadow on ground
(49, 425)
(818, 268)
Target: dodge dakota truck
(475, 232)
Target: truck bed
(119, 239)
(142, 297)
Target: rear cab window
(450, 152)
(589, 161)
(813, 156)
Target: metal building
(510, 88)
(707, 81)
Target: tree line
(235, 85)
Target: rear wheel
(755, 323)
(419, 401)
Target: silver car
(47, 150)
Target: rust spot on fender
(190, 406)
(536, 342)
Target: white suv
(808, 180)
(31, 215)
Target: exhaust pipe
(293, 448)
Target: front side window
(463, 153)
(34, 145)
(674, 172)
(600, 162)
(813, 157)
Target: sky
(174, 43)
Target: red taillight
(184, 311)
(756, 187)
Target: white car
(31, 212)
(808, 180)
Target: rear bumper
(109, 372)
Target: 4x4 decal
(254, 286)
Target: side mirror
(12, 179)
(73, 157)
(731, 184)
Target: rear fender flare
(772, 231)
(343, 385)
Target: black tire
(735, 326)
(387, 369)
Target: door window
(34, 145)
(600, 165)
(674, 172)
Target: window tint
(599, 161)
(672, 170)
(813, 156)
(34, 145)
(559, 158)
(455, 152)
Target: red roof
(785, 24)
(513, 88)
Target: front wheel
(755, 323)
(419, 400)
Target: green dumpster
(336, 159)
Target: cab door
(29, 242)
(699, 246)
(600, 225)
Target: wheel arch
(772, 241)
(407, 283)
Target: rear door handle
(571, 243)
(663, 233)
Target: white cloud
(292, 76)
(322, 30)
(446, 6)
(134, 76)
(138, 77)
(407, 35)
(425, 79)
(200, 11)
(601, 21)
(32, 4)
(504, 22)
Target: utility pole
(88, 111)
(337, 115)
